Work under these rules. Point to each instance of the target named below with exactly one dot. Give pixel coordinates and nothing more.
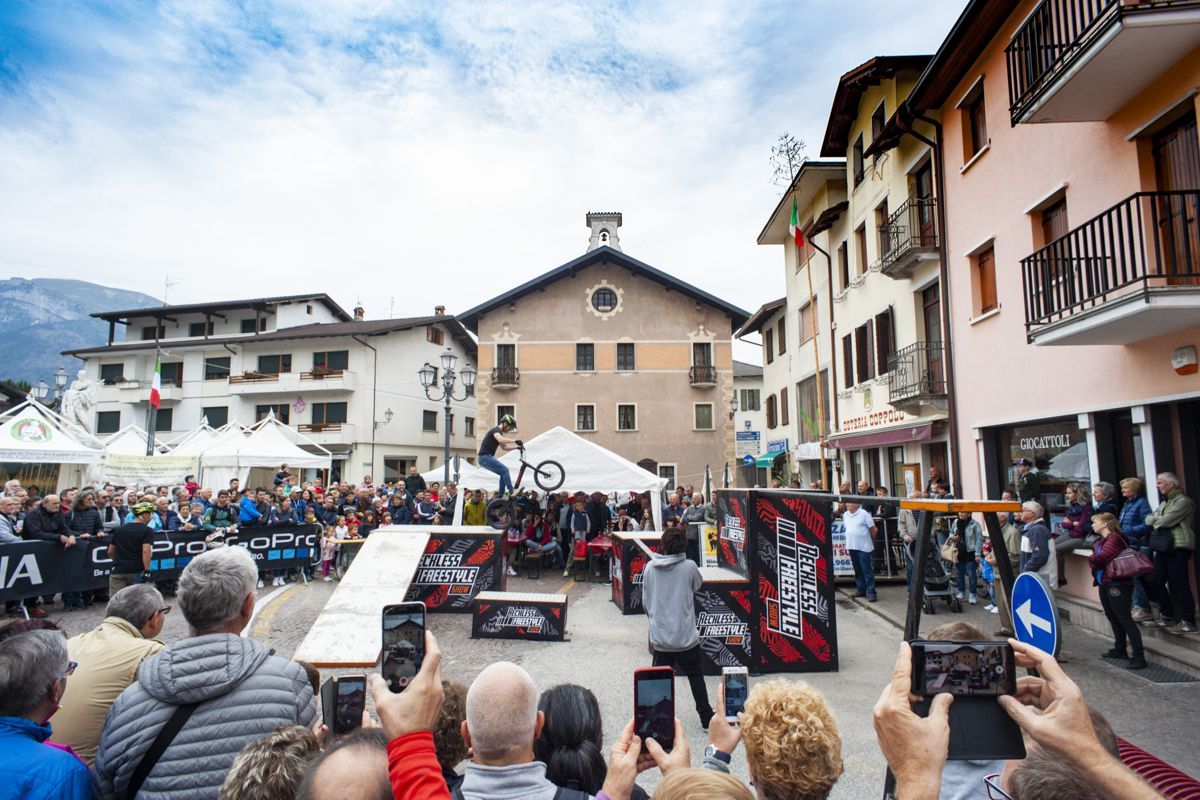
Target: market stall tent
(438, 473)
(266, 445)
(588, 467)
(31, 434)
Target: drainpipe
(943, 283)
(374, 393)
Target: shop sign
(777, 446)
(875, 419)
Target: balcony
(135, 391)
(506, 378)
(1128, 274)
(327, 433)
(338, 380)
(264, 383)
(1081, 60)
(909, 238)
(918, 377)
(703, 377)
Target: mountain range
(41, 317)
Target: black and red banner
(501, 615)
(454, 568)
(628, 565)
(725, 623)
(732, 523)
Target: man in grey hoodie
(669, 586)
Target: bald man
(356, 769)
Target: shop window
(1058, 450)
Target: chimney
(439, 311)
(359, 314)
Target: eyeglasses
(165, 610)
(71, 665)
(994, 792)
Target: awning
(907, 433)
(765, 460)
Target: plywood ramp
(346, 634)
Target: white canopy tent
(267, 444)
(457, 465)
(201, 436)
(203, 439)
(130, 441)
(30, 433)
(588, 467)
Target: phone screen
(985, 669)
(403, 643)
(348, 707)
(737, 687)
(654, 706)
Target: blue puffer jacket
(1133, 520)
(35, 771)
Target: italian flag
(156, 385)
(794, 226)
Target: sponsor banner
(843, 567)
(147, 470)
(519, 619)
(627, 569)
(31, 569)
(731, 531)
(724, 621)
(454, 568)
(709, 540)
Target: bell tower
(604, 225)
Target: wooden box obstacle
(519, 615)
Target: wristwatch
(712, 752)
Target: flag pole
(152, 416)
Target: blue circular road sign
(1035, 614)
(748, 461)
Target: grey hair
(1171, 477)
(1034, 506)
(135, 604)
(1106, 488)
(272, 766)
(214, 585)
(502, 706)
(30, 663)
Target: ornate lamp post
(429, 379)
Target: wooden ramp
(347, 632)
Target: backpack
(559, 794)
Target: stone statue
(77, 404)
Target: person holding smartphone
(668, 589)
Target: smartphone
(349, 703)
(654, 705)
(968, 669)
(736, 684)
(403, 643)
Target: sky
(406, 154)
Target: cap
(1022, 462)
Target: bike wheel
(497, 513)
(549, 475)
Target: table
(596, 548)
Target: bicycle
(548, 475)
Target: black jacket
(414, 484)
(45, 525)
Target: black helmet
(508, 420)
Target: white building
(749, 422)
(347, 383)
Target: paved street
(605, 647)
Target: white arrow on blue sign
(1035, 614)
(748, 461)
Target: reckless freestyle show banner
(723, 620)
(32, 569)
(531, 620)
(627, 567)
(783, 545)
(455, 568)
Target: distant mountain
(41, 317)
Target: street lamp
(387, 418)
(733, 404)
(40, 390)
(428, 376)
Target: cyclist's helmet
(509, 420)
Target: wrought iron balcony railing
(506, 376)
(918, 373)
(703, 375)
(910, 232)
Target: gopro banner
(33, 569)
(627, 568)
(455, 567)
(512, 615)
(724, 622)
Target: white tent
(130, 441)
(199, 441)
(588, 467)
(438, 473)
(200, 436)
(267, 444)
(33, 434)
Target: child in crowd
(988, 574)
(578, 523)
(330, 547)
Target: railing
(321, 374)
(1053, 37)
(702, 375)
(912, 226)
(506, 376)
(254, 377)
(1149, 240)
(319, 427)
(917, 372)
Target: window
(506, 356)
(809, 408)
(585, 357)
(171, 373)
(604, 300)
(435, 335)
(308, 310)
(860, 245)
(585, 418)
(877, 121)
(749, 401)
(282, 412)
(885, 344)
(864, 351)
(667, 471)
(769, 344)
(844, 263)
(783, 407)
(502, 411)
(328, 413)
(896, 471)
(468, 426)
(332, 359)
(772, 421)
(152, 332)
(112, 373)
(275, 365)
(848, 360)
(985, 278)
(108, 421)
(806, 321)
(627, 418)
(702, 354)
(216, 368)
(201, 328)
(248, 325)
(704, 416)
(216, 415)
(162, 419)
(1054, 221)
(856, 160)
(625, 357)
(781, 334)
(974, 122)
(429, 420)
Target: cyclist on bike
(493, 439)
